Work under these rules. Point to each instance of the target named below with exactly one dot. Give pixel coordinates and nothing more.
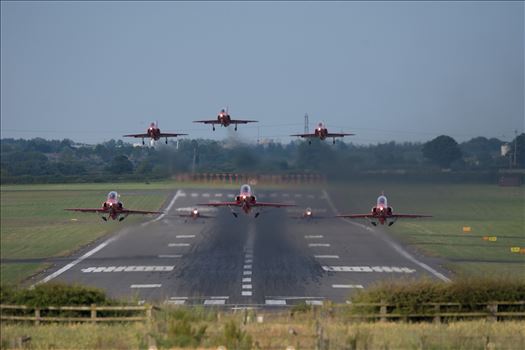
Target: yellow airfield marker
(467, 228)
(490, 238)
(515, 249)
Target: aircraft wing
(240, 121)
(410, 216)
(305, 135)
(356, 216)
(220, 204)
(144, 212)
(212, 121)
(162, 134)
(137, 135)
(275, 205)
(331, 134)
(88, 210)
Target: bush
(235, 338)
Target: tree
(121, 165)
(443, 150)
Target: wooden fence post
(383, 310)
(437, 316)
(493, 310)
(37, 316)
(93, 312)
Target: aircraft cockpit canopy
(113, 195)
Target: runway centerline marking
(318, 244)
(170, 256)
(185, 236)
(326, 256)
(246, 293)
(178, 245)
(247, 279)
(214, 302)
(313, 236)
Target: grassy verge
(489, 210)
(278, 333)
(35, 227)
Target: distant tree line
(42, 161)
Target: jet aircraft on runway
(195, 214)
(224, 119)
(246, 201)
(322, 133)
(308, 214)
(114, 209)
(154, 134)
(382, 213)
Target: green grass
(489, 210)
(34, 224)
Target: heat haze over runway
(272, 260)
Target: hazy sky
(405, 71)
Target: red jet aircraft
(307, 214)
(382, 213)
(246, 201)
(195, 214)
(154, 134)
(224, 119)
(322, 133)
(113, 208)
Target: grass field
(276, 332)
(489, 210)
(34, 224)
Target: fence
(231, 178)
(82, 313)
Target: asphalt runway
(273, 260)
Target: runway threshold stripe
(178, 244)
(313, 236)
(185, 236)
(326, 256)
(214, 302)
(319, 244)
(275, 302)
(145, 286)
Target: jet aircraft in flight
(321, 132)
(382, 213)
(246, 200)
(224, 119)
(113, 208)
(154, 134)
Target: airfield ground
(272, 260)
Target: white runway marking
(247, 273)
(246, 293)
(246, 286)
(214, 302)
(178, 245)
(185, 236)
(273, 195)
(247, 267)
(388, 269)
(127, 269)
(326, 256)
(168, 208)
(286, 195)
(182, 194)
(311, 196)
(247, 279)
(176, 301)
(205, 195)
(70, 265)
(168, 256)
(194, 194)
(275, 302)
(313, 236)
(218, 194)
(319, 244)
(145, 286)
(347, 286)
(248, 261)
(229, 195)
(298, 195)
(314, 302)
(395, 246)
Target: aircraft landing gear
(213, 127)
(373, 223)
(121, 218)
(143, 142)
(235, 214)
(235, 127)
(333, 142)
(257, 214)
(166, 140)
(104, 218)
(309, 142)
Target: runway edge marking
(97, 248)
(396, 246)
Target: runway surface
(273, 260)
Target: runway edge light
(467, 229)
(515, 249)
